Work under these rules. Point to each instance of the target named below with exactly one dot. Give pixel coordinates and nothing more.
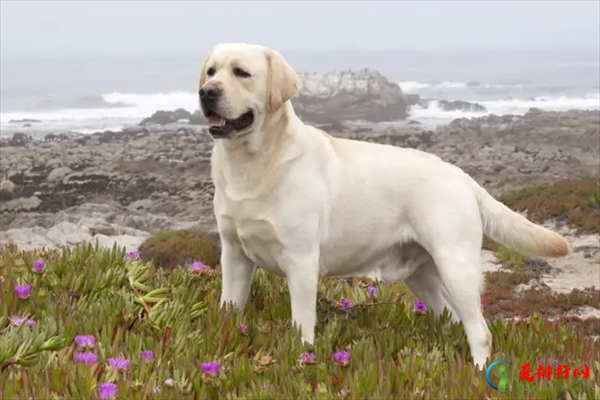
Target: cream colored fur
(298, 202)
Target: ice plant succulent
(23, 291)
(341, 358)
(85, 340)
(107, 390)
(39, 266)
(119, 363)
(87, 358)
(420, 307)
(198, 266)
(307, 358)
(132, 256)
(372, 291)
(211, 368)
(17, 320)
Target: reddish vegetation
(576, 203)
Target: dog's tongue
(216, 121)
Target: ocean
(89, 94)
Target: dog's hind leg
(426, 284)
(461, 274)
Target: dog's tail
(517, 232)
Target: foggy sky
(192, 27)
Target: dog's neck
(244, 162)
(263, 142)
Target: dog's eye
(240, 73)
(210, 72)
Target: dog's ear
(203, 70)
(283, 81)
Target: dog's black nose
(209, 92)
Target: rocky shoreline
(124, 186)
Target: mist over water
(87, 93)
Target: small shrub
(182, 247)
(511, 259)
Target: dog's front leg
(303, 277)
(237, 270)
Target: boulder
(19, 139)
(363, 95)
(459, 105)
(58, 174)
(453, 105)
(167, 117)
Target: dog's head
(241, 85)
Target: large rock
(20, 139)
(167, 117)
(349, 96)
(453, 105)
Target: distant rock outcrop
(363, 95)
(167, 117)
(453, 105)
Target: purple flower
(132, 256)
(243, 328)
(211, 369)
(147, 355)
(487, 321)
(18, 321)
(517, 318)
(88, 358)
(420, 307)
(307, 358)
(481, 306)
(119, 363)
(157, 389)
(85, 340)
(264, 387)
(169, 382)
(107, 390)
(39, 265)
(341, 358)
(541, 361)
(23, 291)
(555, 363)
(346, 303)
(198, 266)
(372, 291)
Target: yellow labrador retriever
(300, 203)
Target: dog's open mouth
(221, 127)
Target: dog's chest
(255, 233)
